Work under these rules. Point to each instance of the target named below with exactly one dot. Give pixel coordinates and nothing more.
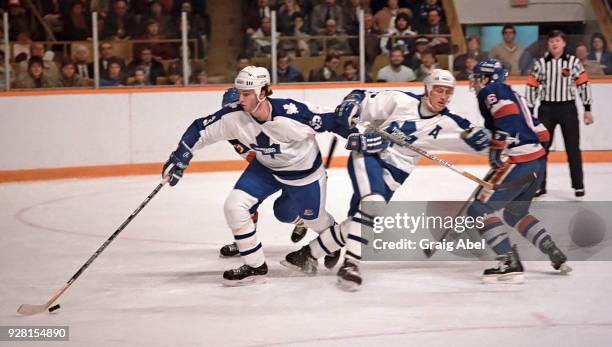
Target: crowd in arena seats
(66, 64)
(316, 42)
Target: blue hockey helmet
(230, 96)
(491, 68)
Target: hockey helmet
(491, 68)
(252, 78)
(439, 77)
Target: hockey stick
(29, 309)
(330, 153)
(430, 252)
(399, 138)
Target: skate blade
(229, 256)
(288, 265)
(252, 280)
(565, 269)
(348, 286)
(510, 278)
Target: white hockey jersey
(285, 144)
(394, 110)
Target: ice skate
(509, 270)
(331, 260)
(349, 277)
(229, 250)
(558, 260)
(302, 260)
(245, 275)
(299, 231)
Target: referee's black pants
(565, 114)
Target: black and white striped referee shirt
(553, 80)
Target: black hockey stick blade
(330, 153)
(524, 180)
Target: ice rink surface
(159, 282)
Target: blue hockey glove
(176, 164)
(476, 137)
(498, 144)
(350, 108)
(230, 96)
(369, 142)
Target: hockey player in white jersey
(282, 134)
(377, 169)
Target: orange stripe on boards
(238, 165)
(222, 87)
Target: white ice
(159, 282)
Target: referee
(552, 81)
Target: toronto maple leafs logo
(404, 132)
(290, 108)
(265, 147)
(316, 122)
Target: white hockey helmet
(439, 77)
(252, 78)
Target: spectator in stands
(161, 50)
(37, 49)
(533, 52)
(18, 18)
(69, 78)
(428, 64)
(52, 14)
(255, 14)
(384, 18)
(81, 62)
(166, 25)
(324, 12)
(413, 59)
(301, 45)
(427, 6)
(116, 76)
(599, 52)
(198, 27)
(102, 7)
(286, 72)
(77, 24)
(507, 51)
(591, 67)
(333, 44)
(372, 40)
(119, 25)
(261, 45)
(396, 36)
(242, 61)
(106, 54)
(175, 75)
(350, 73)
(435, 26)
(350, 18)
(140, 78)
(328, 72)
(153, 68)
(284, 16)
(201, 78)
(35, 76)
(395, 71)
(176, 66)
(470, 63)
(473, 49)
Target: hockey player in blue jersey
(282, 134)
(377, 170)
(517, 134)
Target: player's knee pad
(236, 209)
(512, 217)
(284, 210)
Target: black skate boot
(558, 260)
(245, 275)
(229, 250)
(509, 269)
(299, 231)
(331, 260)
(301, 260)
(349, 277)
